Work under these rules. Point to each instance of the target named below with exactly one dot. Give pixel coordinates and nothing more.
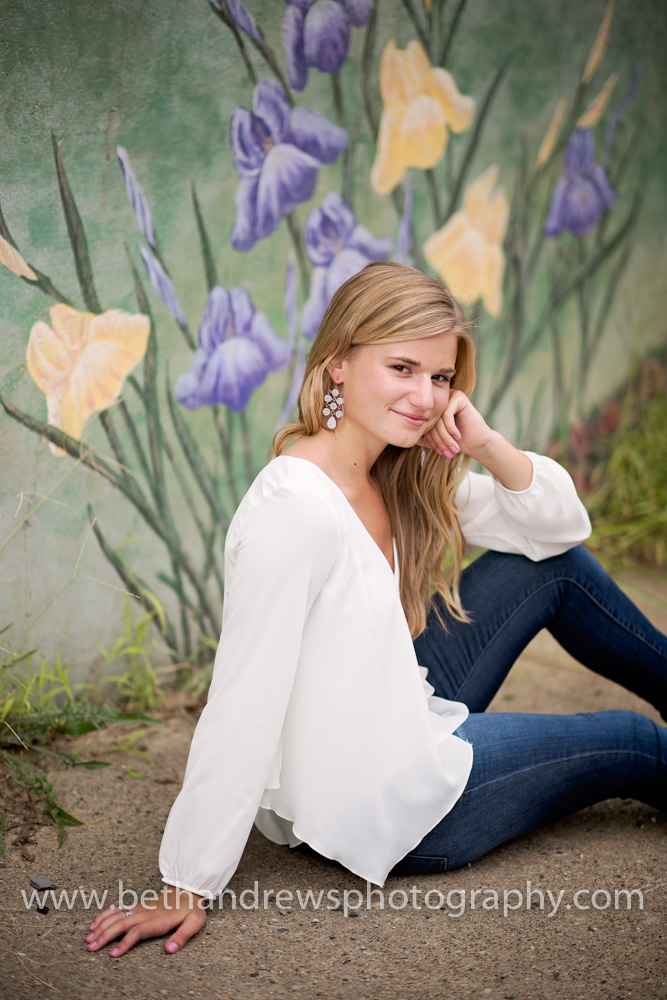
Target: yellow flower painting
(81, 361)
(422, 104)
(467, 252)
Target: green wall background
(163, 79)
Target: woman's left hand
(461, 428)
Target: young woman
(347, 707)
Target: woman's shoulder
(288, 494)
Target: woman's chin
(409, 439)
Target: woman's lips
(412, 418)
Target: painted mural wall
(183, 186)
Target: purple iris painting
(582, 194)
(277, 152)
(316, 33)
(338, 248)
(237, 349)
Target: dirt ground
(535, 946)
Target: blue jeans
(529, 770)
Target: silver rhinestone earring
(333, 408)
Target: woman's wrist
(174, 897)
(511, 467)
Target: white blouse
(320, 726)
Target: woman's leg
(510, 598)
(529, 770)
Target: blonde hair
(384, 303)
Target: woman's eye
(443, 378)
(400, 368)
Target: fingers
(114, 923)
(113, 911)
(440, 439)
(105, 919)
(193, 923)
(447, 423)
(136, 933)
(144, 922)
(108, 926)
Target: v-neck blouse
(346, 503)
(320, 725)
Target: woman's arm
(511, 467)
(528, 505)
(280, 560)
(463, 428)
(544, 520)
(280, 557)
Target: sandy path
(307, 952)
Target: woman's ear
(335, 369)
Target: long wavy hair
(385, 303)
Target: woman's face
(396, 392)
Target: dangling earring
(333, 408)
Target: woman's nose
(421, 392)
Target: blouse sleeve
(544, 520)
(280, 559)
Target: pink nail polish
(448, 454)
(90, 937)
(114, 951)
(172, 947)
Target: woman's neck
(343, 454)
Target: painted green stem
(302, 260)
(559, 416)
(136, 442)
(185, 606)
(269, 57)
(126, 486)
(124, 467)
(83, 453)
(196, 462)
(155, 441)
(411, 11)
(247, 448)
(207, 534)
(227, 19)
(366, 72)
(432, 184)
(606, 302)
(447, 46)
(262, 47)
(135, 585)
(347, 152)
(616, 175)
(476, 133)
(583, 302)
(43, 282)
(561, 293)
(77, 235)
(227, 455)
(209, 263)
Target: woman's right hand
(174, 909)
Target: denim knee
(419, 864)
(577, 558)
